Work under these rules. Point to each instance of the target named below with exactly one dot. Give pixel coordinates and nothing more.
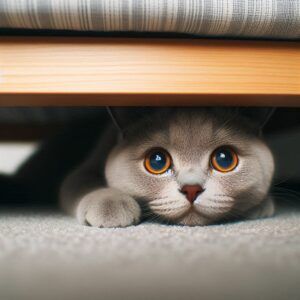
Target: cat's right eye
(157, 161)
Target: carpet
(47, 255)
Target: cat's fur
(111, 188)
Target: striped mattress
(271, 19)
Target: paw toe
(116, 210)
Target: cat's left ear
(258, 115)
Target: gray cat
(183, 166)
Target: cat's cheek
(147, 185)
(169, 202)
(157, 187)
(216, 201)
(170, 191)
(118, 171)
(130, 176)
(233, 183)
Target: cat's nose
(191, 192)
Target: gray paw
(265, 210)
(108, 208)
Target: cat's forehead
(191, 129)
(188, 131)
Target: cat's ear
(258, 115)
(123, 117)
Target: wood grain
(116, 71)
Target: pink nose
(191, 192)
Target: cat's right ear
(258, 115)
(123, 117)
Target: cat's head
(192, 166)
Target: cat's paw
(265, 210)
(108, 208)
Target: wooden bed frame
(51, 71)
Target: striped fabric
(278, 19)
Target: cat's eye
(224, 159)
(157, 161)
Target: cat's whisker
(286, 195)
(286, 198)
(170, 209)
(222, 196)
(220, 201)
(154, 218)
(285, 190)
(216, 207)
(209, 210)
(162, 203)
(149, 215)
(159, 198)
(232, 212)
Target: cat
(187, 166)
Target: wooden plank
(146, 100)
(117, 71)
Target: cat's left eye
(224, 159)
(157, 161)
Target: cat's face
(192, 168)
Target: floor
(46, 255)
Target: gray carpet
(46, 255)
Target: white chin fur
(193, 219)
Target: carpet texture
(46, 255)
